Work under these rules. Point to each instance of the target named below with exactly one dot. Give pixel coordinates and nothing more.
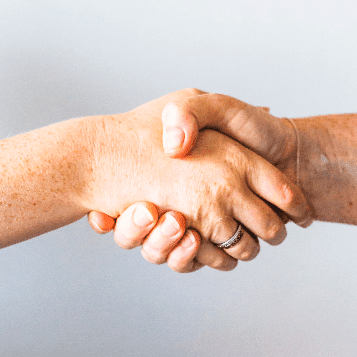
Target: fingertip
(209, 254)
(195, 236)
(276, 235)
(228, 266)
(100, 222)
(173, 139)
(134, 224)
(250, 255)
(178, 219)
(190, 127)
(144, 214)
(95, 227)
(307, 222)
(153, 209)
(180, 130)
(182, 257)
(191, 241)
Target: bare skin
(327, 149)
(55, 175)
(327, 169)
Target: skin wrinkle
(108, 129)
(330, 185)
(213, 189)
(233, 114)
(331, 145)
(309, 168)
(330, 168)
(140, 170)
(260, 134)
(224, 191)
(344, 164)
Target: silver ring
(233, 240)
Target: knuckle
(193, 91)
(289, 196)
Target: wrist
(75, 161)
(118, 163)
(103, 146)
(318, 171)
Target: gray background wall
(74, 293)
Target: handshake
(229, 175)
(218, 175)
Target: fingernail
(96, 225)
(173, 139)
(142, 217)
(170, 226)
(306, 222)
(188, 241)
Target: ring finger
(247, 248)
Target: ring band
(233, 240)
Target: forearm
(43, 178)
(328, 165)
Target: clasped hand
(206, 180)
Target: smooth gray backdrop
(74, 293)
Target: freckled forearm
(328, 166)
(43, 176)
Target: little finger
(100, 222)
(209, 254)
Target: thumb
(254, 127)
(180, 129)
